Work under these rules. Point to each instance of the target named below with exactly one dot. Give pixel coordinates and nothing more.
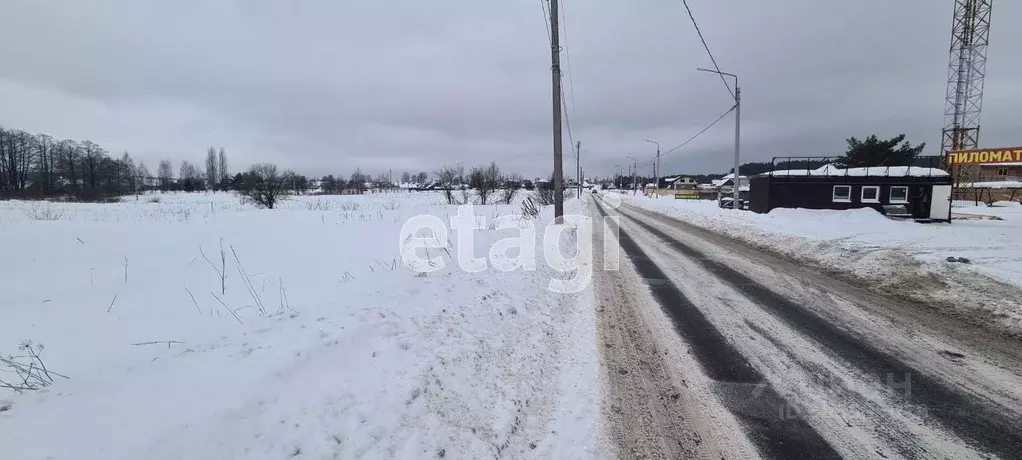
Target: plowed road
(711, 349)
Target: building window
(899, 195)
(842, 194)
(870, 194)
(1002, 171)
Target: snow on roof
(994, 165)
(995, 184)
(871, 171)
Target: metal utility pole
(738, 133)
(555, 67)
(635, 170)
(578, 166)
(656, 167)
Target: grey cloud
(326, 86)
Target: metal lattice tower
(970, 35)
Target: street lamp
(738, 129)
(656, 167)
(635, 169)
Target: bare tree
(358, 181)
(67, 163)
(263, 186)
(221, 166)
(16, 154)
(511, 185)
(545, 192)
(45, 163)
(142, 172)
(126, 177)
(212, 169)
(165, 173)
(92, 158)
(448, 177)
(485, 179)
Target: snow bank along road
(712, 349)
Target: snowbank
(352, 355)
(896, 257)
(994, 184)
(873, 171)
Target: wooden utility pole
(555, 56)
(578, 166)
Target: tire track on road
(982, 423)
(745, 393)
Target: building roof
(872, 171)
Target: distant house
(677, 183)
(743, 181)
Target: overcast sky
(325, 86)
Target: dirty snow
(337, 351)
(896, 256)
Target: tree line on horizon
(39, 166)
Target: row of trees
(418, 178)
(486, 180)
(37, 165)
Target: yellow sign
(981, 156)
(687, 195)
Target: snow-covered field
(896, 257)
(320, 344)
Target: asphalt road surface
(711, 349)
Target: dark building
(917, 192)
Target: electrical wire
(707, 47)
(567, 59)
(721, 117)
(546, 20)
(679, 146)
(564, 101)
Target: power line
(564, 102)
(707, 47)
(567, 58)
(546, 20)
(567, 120)
(721, 117)
(707, 128)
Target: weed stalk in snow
(248, 282)
(193, 301)
(222, 271)
(29, 369)
(235, 315)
